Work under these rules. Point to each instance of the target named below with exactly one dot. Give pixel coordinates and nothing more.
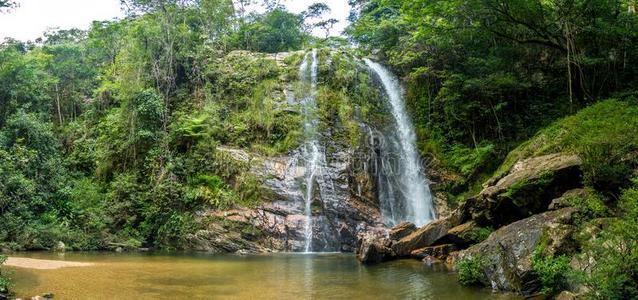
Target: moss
(604, 135)
(477, 234)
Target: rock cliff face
(278, 224)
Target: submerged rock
(507, 252)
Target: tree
(326, 25)
(272, 32)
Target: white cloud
(34, 17)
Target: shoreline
(42, 264)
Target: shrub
(5, 281)
(552, 272)
(471, 270)
(615, 250)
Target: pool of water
(278, 276)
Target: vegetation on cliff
(109, 137)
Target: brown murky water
(280, 276)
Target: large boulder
(526, 189)
(506, 254)
(422, 237)
(374, 248)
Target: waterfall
(404, 193)
(311, 151)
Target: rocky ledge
(526, 206)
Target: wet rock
(422, 237)
(507, 252)
(47, 295)
(401, 230)
(374, 249)
(439, 252)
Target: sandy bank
(41, 264)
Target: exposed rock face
(528, 188)
(340, 214)
(422, 237)
(508, 251)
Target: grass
(609, 124)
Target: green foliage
(471, 270)
(553, 272)
(468, 160)
(603, 135)
(615, 250)
(477, 234)
(5, 281)
(276, 31)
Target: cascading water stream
(311, 150)
(406, 194)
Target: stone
(422, 237)
(401, 230)
(566, 295)
(47, 295)
(508, 251)
(526, 189)
(374, 249)
(461, 235)
(59, 247)
(439, 252)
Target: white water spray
(415, 193)
(311, 152)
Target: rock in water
(59, 247)
(374, 249)
(508, 251)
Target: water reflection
(285, 276)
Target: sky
(34, 17)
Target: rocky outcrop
(342, 209)
(507, 253)
(527, 188)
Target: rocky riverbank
(526, 206)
